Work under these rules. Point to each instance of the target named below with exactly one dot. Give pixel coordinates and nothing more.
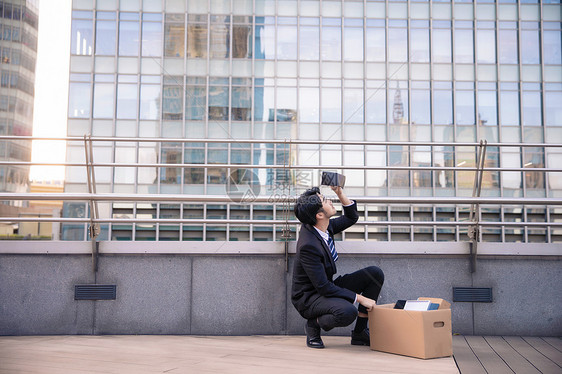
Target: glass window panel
(397, 45)
(308, 104)
(149, 101)
(353, 105)
(128, 38)
(105, 37)
(220, 6)
(171, 153)
(197, 36)
(172, 98)
(171, 156)
(219, 41)
(375, 44)
(443, 107)
(242, 39)
(331, 43)
(487, 108)
(486, 46)
(441, 45)
(241, 103)
(127, 101)
(79, 98)
(125, 155)
(286, 105)
(353, 44)
(555, 179)
(509, 108)
(464, 50)
(534, 158)
(287, 42)
(444, 156)
(218, 103)
(81, 38)
(399, 108)
(511, 180)
(530, 47)
(552, 41)
(309, 43)
(532, 115)
(331, 105)
(152, 39)
(375, 105)
(104, 100)
(264, 101)
(265, 40)
(174, 35)
(508, 47)
(552, 108)
(195, 102)
(420, 107)
(465, 107)
(419, 45)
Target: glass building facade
(325, 72)
(18, 53)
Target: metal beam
(181, 198)
(279, 141)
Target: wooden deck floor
(264, 354)
(507, 354)
(202, 354)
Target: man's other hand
(366, 302)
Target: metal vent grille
(95, 292)
(472, 294)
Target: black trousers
(335, 312)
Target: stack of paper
(420, 305)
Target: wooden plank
(537, 359)
(466, 360)
(512, 358)
(490, 360)
(553, 341)
(546, 349)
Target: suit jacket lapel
(324, 245)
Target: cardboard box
(421, 334)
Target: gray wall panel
(37, 294)
(527, 297)
(238, 295)
(153, 295)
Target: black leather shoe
(361, 338)
(313, 339)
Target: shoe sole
(359, 342)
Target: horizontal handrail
(245, 222)
(292, 167)
(279, 141)
(274, 199)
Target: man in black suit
(326, 303)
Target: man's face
(327, 206)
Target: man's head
(312, 206)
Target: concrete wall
(249, 294)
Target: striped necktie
(332, 248)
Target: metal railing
(278, 200)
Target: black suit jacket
(314, 267)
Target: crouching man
(326, 303)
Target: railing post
(94, 228)
(474, 231)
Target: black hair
(307, 205)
